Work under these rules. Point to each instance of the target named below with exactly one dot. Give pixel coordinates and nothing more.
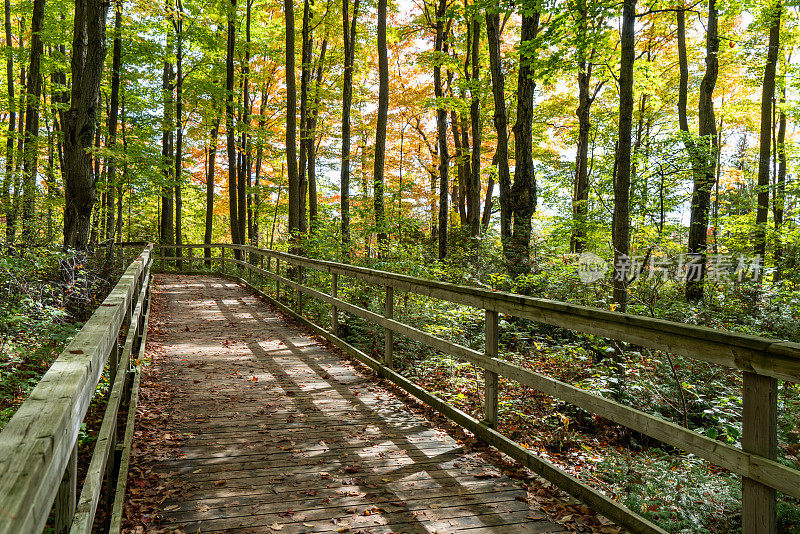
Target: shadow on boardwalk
(274, 433)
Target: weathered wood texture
(36, 446)
(278, 433)
(759, 358)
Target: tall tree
(8, 179)
(779, 196)
(88, 56)
(349, 37)
(212, 164)
(230, 132)
(178, 24)
(113, 115)
(500, 119)
(291, 122)
(765, 137)
(474, 181)
(313, 206)
(243, 175)
(305, 82)
(168, 135)
(702, 152)
(441, 126)
(523, 192)
(585, 50)
(622, 184)
(380, 131)
(31, 140)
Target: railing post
(113, 360)
(222, 261)
(490, 378)
(388, 334)
(67, 495)
(759, 436)
(163, 252)
(334, 309)
(299, 296)
(277, 282)
(261, 272)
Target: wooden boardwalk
(277, 434)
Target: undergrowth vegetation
(47, 295)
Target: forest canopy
(659, 137)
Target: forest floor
(246, 422)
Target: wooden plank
(31, 468)
(67, 492)
(758, 468)
(106, 437)
(127, 442)
(565, 481)
(759, 436)
(124, 464)
(490, 377)
(387, 332)
(422, 466)
(334, 309)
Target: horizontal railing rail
(761, 360)
(38, 446)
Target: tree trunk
(523, 192)
(167, 233)
(179, 132)
(487, 204)
(580, 193)
(230, 132)
(703, 153)
(500, 120)
(380, 131)
(31, 142)
(8, 179)
(259, 158)
(88, 56)
(313, 206)
(622, 184)
(113, 114)
(474, 180)
(291, 123)
(767, 97)
(459, 186)
(120, 188)
(244, 168)
(441, 128)
(779, 200)
(349, 36)
(212, 164)
(305, 82)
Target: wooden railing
(38, 446)
(762, 362)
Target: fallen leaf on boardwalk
(203, 508)
(219, 483)
(276, 526)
